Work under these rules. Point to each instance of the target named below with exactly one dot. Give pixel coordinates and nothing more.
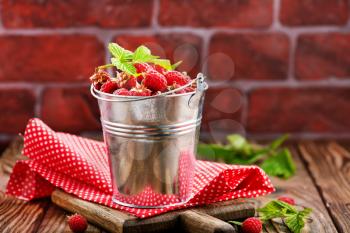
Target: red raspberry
(77, 223)
(140, 78)
(176, 77)
(252, 225)
(159, 68)
(140, 91)
(130, 83)
(122, 91)
(155, 81)
(175, 86)
(99, 78)
(126, 81)
(287, 200)
(142, 67)
(109, 86)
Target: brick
(70, 110)
(255, 56)
(322, 56)
(224, 13)
(222, 112)
(70, 58)
(17, 107)
(71, 13)
(314, 12)
(299, 110)
(185, 47)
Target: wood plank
(55, 220)
(198, 222)
(301, 188)
(14, 211)
(329, 165)
(116, 221)
(8, 160)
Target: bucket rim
(200, 88)
(139, 97)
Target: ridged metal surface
(151, 145)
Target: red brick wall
(274, 66)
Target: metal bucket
(151, 144)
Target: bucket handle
(201, 86)
(197, 96)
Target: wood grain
(301, 188)
(55, 220)
(102, 216)
(8, 160)
(329, 165)
(198, 222)
(116, 221)
(20, 215)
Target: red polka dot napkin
(79, 166)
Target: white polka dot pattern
(80, 167)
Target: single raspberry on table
(77, 223)
(140, 91)
(287, 200)
(122, 91)
(176, 77)
(109, 86)
(251, 225)
(155, 81)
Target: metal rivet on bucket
(151, 143)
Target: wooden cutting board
(207, 219)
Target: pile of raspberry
(153, 79)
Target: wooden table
(322, 182)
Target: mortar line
(39, 100)
(245, 84)
(29, 85)
(276, 13)
(155, 15)
(245, 110)
(179, 29)
(302, 135)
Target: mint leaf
(214, 152)
(163, 63)
(278, 142)
(275, 161)
(174, 66)
(143, 54)
(124, 66)
(296, 222)
(281, 165)
(294, 219)
(275, 209)
(236, 141)
(119, 52)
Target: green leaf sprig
(294, 219)
(124, 59)
(273, 159)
